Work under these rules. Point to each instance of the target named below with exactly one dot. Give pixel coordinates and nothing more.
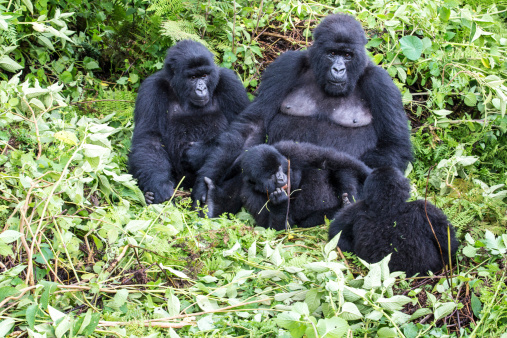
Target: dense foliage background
(81, 255)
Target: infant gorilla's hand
(278, 196)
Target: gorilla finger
(209, 183)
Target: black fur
(179, 113)
(381, 137)
(317, 175)
(383, 223)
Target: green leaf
(312, 299)
(476, 305)
(63, 327)
(350, 312)
(66, 77)
(419, 313)
(387, 332)
(444, 310)
(137, 225)
(55, 314)
(332, 244)
(393, 303)
(173, 305)
(444, 13)
(9, 236)
(332, 327)
(120, 298)
(66, 137)
(470, 99)
(28, 5)
(9, 64)
(411, 46)
(30, 315)
(7, 291)
(206, 323)
(5, 250)
(6, 326)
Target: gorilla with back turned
(383, 223)
(179, 113)
(330, 95)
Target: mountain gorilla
(383, 223)
(265, 185)
(330, 95)
(179, 113)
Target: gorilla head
(384, 187)
(264, 168)
(338, 56)
(192, 72)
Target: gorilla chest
(310, 101)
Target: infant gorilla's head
(264, 168)
(386, 184)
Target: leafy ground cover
(81, 255)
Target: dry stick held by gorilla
(384, 223)
(330, 95)
(179, 113)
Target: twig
(104, 100)
(23, 291)
(39, 144)
(206, 312)
(287, 225)
(446, 271)
(148, 324)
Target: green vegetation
(80, 254)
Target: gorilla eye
(204, 75)
(332, 53)
(348, 55)
(193, 77)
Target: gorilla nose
(339, 71)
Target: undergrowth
(81, 255)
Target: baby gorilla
(383, 223)
(266, 185)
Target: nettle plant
(442, 51)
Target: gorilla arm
(389, 120)
(148, 160)
(250, 127)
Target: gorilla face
(338, 57)
(336, 77)
(192, 72)
(199, 93)
(264, 168)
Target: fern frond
(166, 7)
(181, 30)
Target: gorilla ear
(169, 67)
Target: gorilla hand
(278, 196)
(159, 194)
(199, 193)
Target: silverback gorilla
(179, 113)
(330, 95)
(266, 185)
(383, 223)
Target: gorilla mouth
(339, 84)
(200, 102)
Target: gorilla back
(180, 111)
